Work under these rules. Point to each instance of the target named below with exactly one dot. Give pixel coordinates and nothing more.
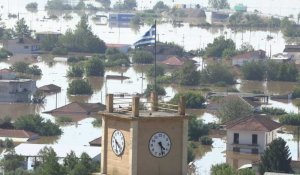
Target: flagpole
(155, 58)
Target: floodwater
(186, 36)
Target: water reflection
(19, 109)
(216, 156)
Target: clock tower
(144, 142)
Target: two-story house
(250, 134)
(18, 90)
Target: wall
(172, 162)
(245, 137)
(118, 165)
(16, 91)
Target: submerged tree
(219, 4)
(276, 158)
(22, 29)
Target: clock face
(117, 142)
(160, 144)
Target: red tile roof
(6, 71)
(16, 133)
(174, 61)
(96, 142)
(117, 45)
(78, 108)
(50, 88)
(253, 123)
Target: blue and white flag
(148, 38)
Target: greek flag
(148, 38)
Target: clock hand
(118, 144)
(161, 148)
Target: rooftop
(96, 142)
(174, 61)
(78, 108)
(16, 81)
(14, 133)
(50, 88)
(253, 123)
(292, 48)
(138, 110)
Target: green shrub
(64, 119)
(75, 59)
(273, 111)
(75, 71)
(94, 67)
(142, 57)
(205, 140)
(79, 87)
(35, 123)
(197, 128)
(160, 71)
(159, 90)
(59, 51)
(97, 122)
(296, 92)
(4, 53)
(192, 99)
(290, 119)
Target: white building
(250, 134)
(19, 90)
(31, 152)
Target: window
(254, 139)
(236, 138)
(26, 47)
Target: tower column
(104, 146)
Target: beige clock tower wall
(137, 129)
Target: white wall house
(250, 134)
(31, 152)
(19, 90)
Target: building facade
(250, 134)
(17, 90)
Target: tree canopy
(79, 87)
(219, 4)
(187, 74)
(276, 158)
(217, 73)
(226, 169)
(94, 67)
(233, 107)
(192, 99)
(220, 47)
(22, 29)
(114, 57)
(35, 123)
(126, 5)
(82, 39)
(142, 57)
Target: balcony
(246, 148)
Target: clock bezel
(112, 142)
(149, 142)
